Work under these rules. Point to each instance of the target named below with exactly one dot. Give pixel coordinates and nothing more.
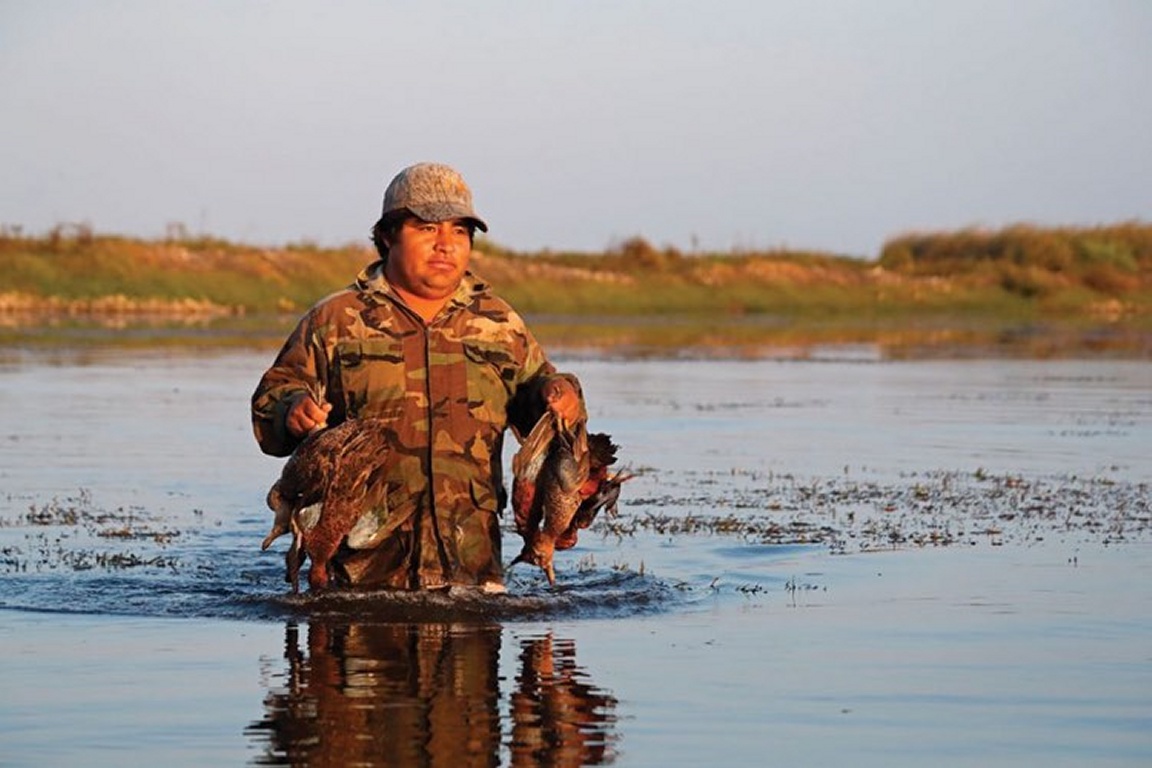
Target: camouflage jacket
(451, 387)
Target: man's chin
(440, 286)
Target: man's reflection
(558, 718)
(429, 694)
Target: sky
(829, 125)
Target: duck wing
(304, 476)
(563, 477)
(526, 466)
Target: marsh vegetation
(1074, 285)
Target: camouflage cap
(433, 192)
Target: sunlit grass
(72, 283)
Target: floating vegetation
(842, 513)
(922, 510)
(75, 534)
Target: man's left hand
(563, 400)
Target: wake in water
(584, 595)
(72, 555)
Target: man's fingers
(319, 417)
(306, 416)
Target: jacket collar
(372, 283)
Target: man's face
(428, 259)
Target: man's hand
(305, 416)
(562, 399)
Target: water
(829, 560)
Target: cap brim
(444, 212)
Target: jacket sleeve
(527, 404)
(300, 369)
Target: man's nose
(444, 239)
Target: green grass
(635, 294)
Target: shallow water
(895, 563)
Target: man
(421, 342)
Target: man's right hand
(305, 416)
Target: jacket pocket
(374, 377)
(492, 377)
(478, 534)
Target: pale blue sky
(829, 125)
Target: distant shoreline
(624, 338)
(1086, 287)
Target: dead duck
(324, 490)
(560, 482)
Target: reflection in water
(558, 718)
(429, 694)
